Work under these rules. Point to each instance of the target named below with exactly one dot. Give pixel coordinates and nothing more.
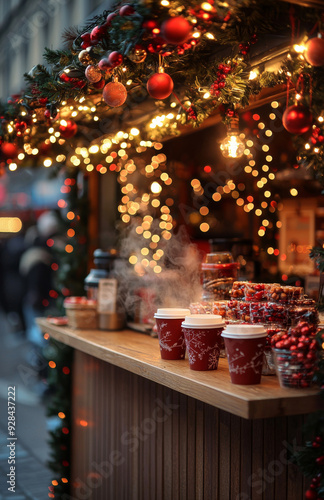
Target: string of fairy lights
(154, 220)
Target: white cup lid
(203, 321)
(171, 313)
(246, 331)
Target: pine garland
(192, 67)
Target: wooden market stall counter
(147, 428)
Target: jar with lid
(219, 272)
(103, 262)
(101, 285)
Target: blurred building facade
(28, 26)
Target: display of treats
(232, 310)
(275, 313)
(304, 312)
(295, 355)
(238, 290)
(219, 307)
(256, 292)
(284, 294)
(273, 330)
(243, 312)
(291, 320)
(257, 311)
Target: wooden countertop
(139, 354)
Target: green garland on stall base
(68, 280)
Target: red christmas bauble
(160, 85)
(86, 37)
(297, 119)
(320, 460)
(314, 53)
(68, 129)
(110, 17)
(97, 34)
(86, 40)
(85, 45)
(9, 150)
(176, 30)
(310, 495)
(114, 94)
(126, 10)
(115, 59)
(103, 64)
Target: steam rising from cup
(178, 283)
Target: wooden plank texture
(144, 441)
(139, 354)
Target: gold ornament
(138, 55)
(84, 57)
(93, 74)
(114, 94)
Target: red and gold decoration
(114, 94)
(176, 30)
(117, 43)
(160, 85)
(297, 119)
(314, 52)
(93, 74)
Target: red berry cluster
(311, 493)
(317, 136)
(219, 83)
(297, 366)
(276, 313)
(300, 338)
(98, 32)
(20, 127)
(192, 115)
(74, 81)
(271, 332)
(245, 47)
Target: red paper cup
(171, 338)
(244, 347)
(202, 334)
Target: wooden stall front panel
(134, 439)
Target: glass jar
(292, 370)
(218, 275)
(276, 313)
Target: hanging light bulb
(232, 146)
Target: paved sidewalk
(32, 475)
